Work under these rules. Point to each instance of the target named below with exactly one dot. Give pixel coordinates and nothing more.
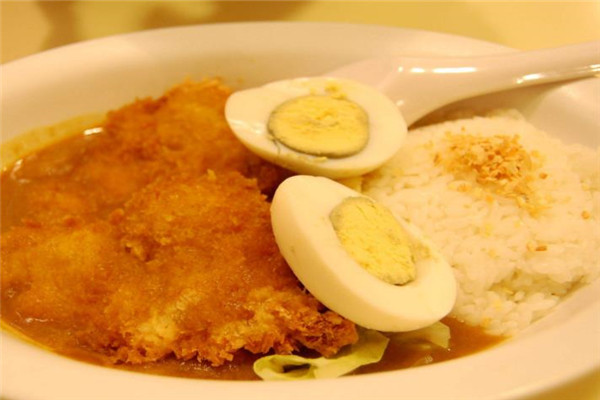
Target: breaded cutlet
(156, 242)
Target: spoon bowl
(419, 85)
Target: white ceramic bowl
(99, 75)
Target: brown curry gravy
(27, 172)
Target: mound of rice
(514, 211)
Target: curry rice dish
(149, 242)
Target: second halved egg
(358, 259)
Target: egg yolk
(374, 239)
(320, 125)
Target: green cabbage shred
(437, 334)
(369, 349)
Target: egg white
(248, 112)
(306, 238)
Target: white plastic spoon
(421, 85)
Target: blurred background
(32, 26)
(28, 27)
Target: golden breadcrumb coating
(153, 240)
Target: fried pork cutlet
(187, 267)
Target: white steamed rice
(513, 266)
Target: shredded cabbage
(437, 334)
(369, 349)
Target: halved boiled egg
(359, 259)
(320, 126)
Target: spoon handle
(420, 85)
(535, 66)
